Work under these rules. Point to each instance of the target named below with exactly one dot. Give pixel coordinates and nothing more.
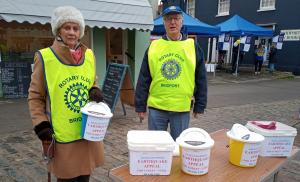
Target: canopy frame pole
(208, 50)
(237, 59)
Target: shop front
(118, 35)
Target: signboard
(245, 44)
(117, 80)
(278, 40)
(223, 43)
(15, 77)
(291, 35)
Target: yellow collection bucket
(244, 146)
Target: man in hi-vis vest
(172, 73)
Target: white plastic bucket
(150, 152)
(244, 146)
(278, 140)
(95, 120)
(195, 146)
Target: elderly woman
(62, 82)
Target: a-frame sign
(118, 83)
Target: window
(223, 7)
(191, 7)
(267, 5)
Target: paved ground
(20, 158)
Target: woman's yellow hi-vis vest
(172, 67)
(67, 86)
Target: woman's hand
(95, 94)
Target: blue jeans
(159, 120)
(272, 67)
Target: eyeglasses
(169, 19)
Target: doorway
(116, 46)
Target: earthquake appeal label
(95, 128)
(277, 146)
(250, 154)
(150, 163)
(195, 161)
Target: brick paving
(20, 156)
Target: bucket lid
(100, 110)
(195, 138)
(149, 140)
(243, 134)
(280, 129)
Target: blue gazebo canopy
(238, 26)
(191, 26)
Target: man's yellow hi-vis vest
(172, 67)
(67, 86)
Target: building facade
(280, 16)
(115, 30)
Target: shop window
(223, 7)
(266, 5)
(19, 42)
(191, 7)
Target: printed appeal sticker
(250, 154)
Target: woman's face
(70, 33)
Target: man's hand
(141, 115)
(197, 114)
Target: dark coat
(272, 55)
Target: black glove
(95, 94)
(44, 131)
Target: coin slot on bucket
(97, 113)
(195, 143)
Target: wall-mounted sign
(291, 35)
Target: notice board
(118, 82)
(15, 77)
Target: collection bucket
(95, 120)
(150, 152)
(194, 146)
(244, 146)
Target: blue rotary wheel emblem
(171, 69)
(76, 97)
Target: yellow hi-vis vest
(172, 67)
(67, 86)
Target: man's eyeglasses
(169, 19)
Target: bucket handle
(104, 106)
(97, 113)
(203, 132)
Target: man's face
(173, 24)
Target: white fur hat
(64, 14)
